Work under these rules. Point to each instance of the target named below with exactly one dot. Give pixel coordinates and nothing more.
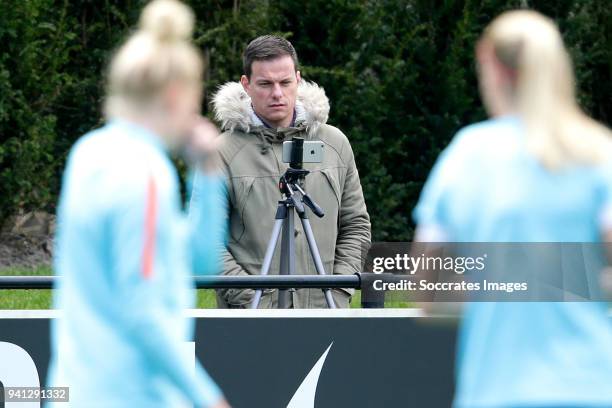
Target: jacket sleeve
(142, 216)
(207, 221)
(234, 297)
(354, 229)
(228, 263)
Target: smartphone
(312, 151)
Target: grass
(41, 298)
(25, 298)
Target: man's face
(273, 89)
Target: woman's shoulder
(112, 157)
(490, 130)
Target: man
(272, 104)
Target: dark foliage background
(400, 75)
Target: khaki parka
(251, 156)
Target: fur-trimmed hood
(233, 109)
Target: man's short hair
(265, 48)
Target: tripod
(295, 198)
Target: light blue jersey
(485, 187)
(126, 254)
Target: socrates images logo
(18, 370)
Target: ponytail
(158, 53)
(558, 132)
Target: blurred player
(538, 171)
(125, 251)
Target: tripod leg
(316, 257)
(265, 267)
(287, 259)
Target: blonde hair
(558, 132)
(158, 53)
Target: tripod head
(289, 183)
(295, 174)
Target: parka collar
(233, 109)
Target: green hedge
(400, 75)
